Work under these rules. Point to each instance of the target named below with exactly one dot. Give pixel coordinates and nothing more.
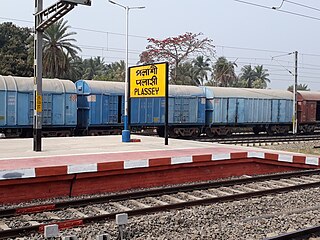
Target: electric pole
(295, 106)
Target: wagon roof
(101, 87)
(248, 93)
(25, 84)
(309, 96)
(182, 90)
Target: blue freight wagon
(59, 106)
(186, 112)
(230, 110)
(100, 107)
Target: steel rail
(10, 212)
(300, 234)
(86, 220)
(261, 139)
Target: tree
(75, 72)
(247, 76)
(261, 77)
(58, 50)
(223, 73)
(175, 50)
(201, 67)
(185, 75)
(256, 77)
(93, 68)
(14, 50)
(115, 71)
(300, 87)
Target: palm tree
(223, 73)
(300, 87)
(58, 50)
(185, 74)
(247, 76)
(261, 77)
(93, 68)
(115, 71)
(75, 71)
(201, 67)
(256, 77)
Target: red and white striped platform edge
(31, 167)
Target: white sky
(235, 28)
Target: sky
(245, 32)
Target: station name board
(148, 80)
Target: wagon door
(48, 110)
(177, 110)
(241, 111)
(232, 110)
(110, 109)
(220, 110)
(11, 108)
(318, 111)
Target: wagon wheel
(209, 133)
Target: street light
(126, 131)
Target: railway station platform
(88, 165)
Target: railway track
(247, 139)
(300, 234)
(24, 220)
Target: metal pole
(295, 124)
(167, 106)
(126, 131)
(37, 117)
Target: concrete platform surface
(89, 165)
(22, 148)
(107, 153)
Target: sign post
(151, 81)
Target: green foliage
(14, 50)
(185, 74)
(115, 71)
(223, 73)
(93, 68)
(300, 87)
(256, 77)
(58, 50)
(201, 69)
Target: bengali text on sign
(148, 80)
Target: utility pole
(37, 117)
(126, 130)
(295, 106)
(44, 19)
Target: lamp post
(126, 131)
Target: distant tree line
(191, 56)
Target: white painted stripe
(181, 160)
(136, 164)
(82, 168)
(256, 155)
(223, 156)
(285, 158)
(312, 160)
(18, 173)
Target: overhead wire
(280, 10)
(107, 49)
